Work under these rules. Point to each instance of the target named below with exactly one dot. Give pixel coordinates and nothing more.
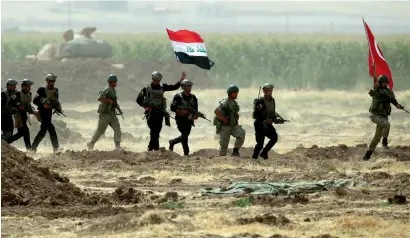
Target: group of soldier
(185, 107)
(17, 105)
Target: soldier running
(107, 113)
(47, 100)
(380, 110)
(23, 101)
(8, 108)
(264, 114)
(183, 104)
(226, 122)
(152, 99)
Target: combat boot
(254, 156)
(384, 144)
(264, 154)
(90, 145)
(367, 155)
(118, 146)
(171, 145)
(235, 152)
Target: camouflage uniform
(229, 109)
(380, 110)
(107, 117)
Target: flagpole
(368, 42)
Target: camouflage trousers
(224, 136)
(382, 130)
(105, 120)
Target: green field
(293, 61)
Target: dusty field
(157, 194)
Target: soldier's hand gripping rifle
(117, 108)
(193, 113)
(156, 109)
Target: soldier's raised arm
(175, 86)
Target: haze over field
(209, 16)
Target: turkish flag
(376, 56)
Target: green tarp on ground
(282, 188)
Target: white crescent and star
(377, 50)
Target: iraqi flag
(189, 48)
(376, 56)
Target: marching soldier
(107, 113)
(264, 114)
(226, 122)
(380, 110)
(23, 101)
(184, 104)
(46, 100)
(8, 108)
(152, 99)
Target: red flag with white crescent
(376, 56)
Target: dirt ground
(156, 194)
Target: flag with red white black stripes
(189, 48)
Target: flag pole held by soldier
(152, 99)
(380, 110)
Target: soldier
(46, 100)
(226, 122)
(380, 110)
(183, 105)
(264, 114)
(23, 101)
(152, 99)
(8, 108)
(107, 113)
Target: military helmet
(11, 82)
(26, 82)
(156, 75)
(187, 82)
(232, 88)
(112, 78)
(268, 86)
(383, 79)
(51, 77)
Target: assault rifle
(193, 113)
(156, 109)
(117, 108)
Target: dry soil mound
(24, 183)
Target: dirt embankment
(82, 79)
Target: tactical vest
(25, 98)
(381, 99)
(51, 94)
(108, 108)
(156, 97)
(8, 97)
(187, 103)
(270, 108)
(231, 109)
